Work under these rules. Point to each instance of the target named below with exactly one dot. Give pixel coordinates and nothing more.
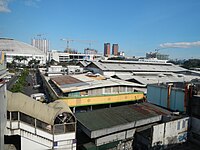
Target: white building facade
(40, 126)
(13, 48)
(65, 57)
(42, 44)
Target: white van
(36, 86)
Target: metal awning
(41, 111)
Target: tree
(117, 58)
(20, 83)
(34, 63)
(24, 59)
(192, 63)
(18, 59)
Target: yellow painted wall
(105, 99)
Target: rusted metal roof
(61, 80)
(105, 121)
(84, 82)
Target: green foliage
(19, 58)
(18, 86)
(192, 63)
(116, 58)
(34, 63)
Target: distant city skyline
(138, 26)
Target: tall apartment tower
(42, 44)
(106, 49)
(115, 48)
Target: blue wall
(158, 95)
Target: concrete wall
(170, 133)
(158, 133)
(31, 145)
(39, 139)
(129, 134)
(3, 116)
(55, 68)
(47, 86)
(176, 131)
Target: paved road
(32, 79)
(28, 89)
(11, 82)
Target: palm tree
(34, 63)
(24, 59)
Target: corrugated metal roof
(84, 63)
(136, 66)
(111, 117)
(44, 112)
(145, 78)
(61, 80)
(91, 83)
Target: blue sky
(138, 26)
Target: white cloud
(32, 3)
(4, 6)
(180, 45)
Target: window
(178, 125)
(183, 125)
(107, 90)
(116, 89)
(14, 115)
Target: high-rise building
(3, 99)
(157, 55)
(106, 49)
(90, 51)
(42, 44)
(115, 48)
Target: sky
(138, 26)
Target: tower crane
(157, 50)
(89, 42)
(40, 34)
(68, 41)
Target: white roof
(91, 83)
(137, 66)
(145, 78)
(12, 46)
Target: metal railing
(52, 129)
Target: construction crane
(89, 42)
(157, 50)
(68, 41)
(39, 35)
